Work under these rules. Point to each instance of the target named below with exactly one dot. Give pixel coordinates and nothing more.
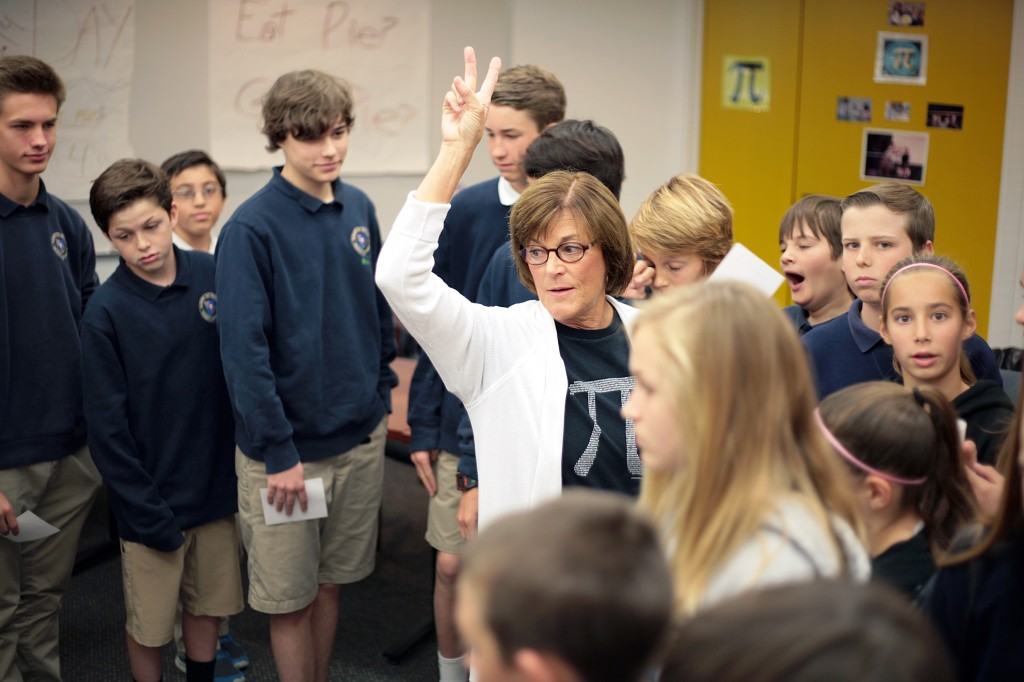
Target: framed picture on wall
(894, 154)
(901, 58)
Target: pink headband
(967, 299)
(856, 462)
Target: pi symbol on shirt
(623, 385)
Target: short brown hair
(821, 630)
(821, 214)
(123, 183)
(581, 577)
(902, 200)
(534, 90)
(182, 161)
(591, 205)
(31, 76)
(686, 214)
(304, 104)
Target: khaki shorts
(289, 561)
(443, 509)
(203, 572)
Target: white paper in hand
(316, 506)
(30, 527)
(740, 264)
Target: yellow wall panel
(824, 49)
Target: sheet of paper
(742, 265)
(31, 527)
(316, 507)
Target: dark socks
(196, 671)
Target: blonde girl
(903, 449)
(926, 317)
(737, 474)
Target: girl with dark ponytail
(903, 448)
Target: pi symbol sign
(746, 83)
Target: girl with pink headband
(926, 317)
(903, 449)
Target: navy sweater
(475, 226)
(160, 425)
(47, 274)
(306, 337)
(844, 351)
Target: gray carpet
(375, 613)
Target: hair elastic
(848, 456)
(918, 396)
(959, 284)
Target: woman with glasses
(543, 381)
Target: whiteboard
(380, 48)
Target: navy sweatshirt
(475, 226)
(47, 274)
(160, 425)
(306, 337)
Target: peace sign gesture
(463, 116)
(464, 111)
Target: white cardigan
(502, 363)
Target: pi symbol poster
(746, 83)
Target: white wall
(1009, 256)
(631, 67)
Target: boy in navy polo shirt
(307, 341)
(47, 274)
(160, 424)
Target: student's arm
(87, 280)
(8, 519)
(245, 322)
(139, 507)
(388, 348)
(426, 396)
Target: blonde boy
(683, 229)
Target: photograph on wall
(945, 116)
(746, 83)
(895, 154)
(901, 58)
(897, 111)
(906, 13)
(853, 109)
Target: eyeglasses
(569, 252)
(188, 194)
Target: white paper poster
(91, 46)
(379, 47)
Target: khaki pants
(34, 575)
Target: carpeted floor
(375, 613)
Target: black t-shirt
(907, 565)
(598, 445)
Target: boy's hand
(424, 462)
(8, 519)
(285, 487)
(643, 275)
(986, 482)
(469, 507)
(464, 112)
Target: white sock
(451, 669)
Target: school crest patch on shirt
(59, 244)
(208, 306)
(361, 240)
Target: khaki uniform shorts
(443, 532)
(289, 561)
(203, 572)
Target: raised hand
(463, 116)
(464, 112)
